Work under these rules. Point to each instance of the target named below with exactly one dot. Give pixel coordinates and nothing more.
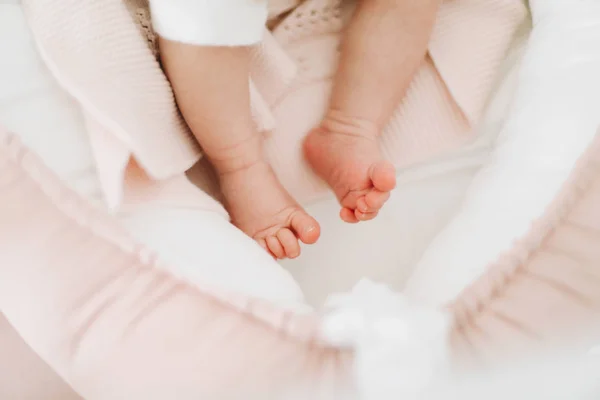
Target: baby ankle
(339, 122)
(236, 157)
(232, 167)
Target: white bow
(400, 348)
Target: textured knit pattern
(108, 66)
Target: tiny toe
(383, 176)
(376, 199)
(365, 216)
(350, 200)
(263, 244)
(347, 215)
(289, 242)
(362, 206)
(275, 247)
(305, 227)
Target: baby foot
(353, 166)
(261, 207)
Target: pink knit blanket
(102, 54)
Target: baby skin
(384, 44)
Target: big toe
(305, 227)
(289, 242)
(383, 176)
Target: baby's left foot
(353, 166)
(261, 207)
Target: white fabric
(400, 348)
(554, 117)
(210, 22)
(385, 249)
(200, 245)
(401, 352)
(31, 103)
(556, 377)
(203, 247)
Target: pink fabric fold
(543, 295)
(468, 43)
(108, 64)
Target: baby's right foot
(354, 168)
(261, 207)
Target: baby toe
(289, 242)
(375, 200)
(365, 216)
(383, 176)
(362, 206)
(275, 247)
(305, 227)
(263, 244)
(347, 215)
(351, 198)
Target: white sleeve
(210, 22)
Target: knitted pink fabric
(108, 66)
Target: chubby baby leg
(211, 87)
(384, 45)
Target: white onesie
(210, 22)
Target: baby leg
(211, 87)
(384, 45)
